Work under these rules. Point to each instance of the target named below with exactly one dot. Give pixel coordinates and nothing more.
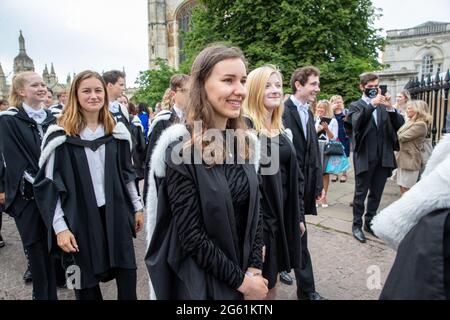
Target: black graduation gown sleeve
(2, 173)
(256, 260)
(139, 149)
(423, 257)
(193, 238)
(159, 127)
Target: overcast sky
(111, 34)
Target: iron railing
(434, 91)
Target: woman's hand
(138, 221)
(254, 287)
(66, 241)
(302, 228)
(2, 198)
(325, 126)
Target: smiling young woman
(204, 227)
(282, 189)
(21, 131)
(86, 191)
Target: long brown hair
(198, 107)
(72, 119)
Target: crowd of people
(230, 166)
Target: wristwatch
(252, 274)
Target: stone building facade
(409, 53)
(166, 20)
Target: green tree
(153, 83)
(337, 36)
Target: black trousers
(34, 238)
(304, 275)
(372, 182)
(42, 269)
(126, 287)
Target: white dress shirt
(302, 110)
(369, 102)
(37, 115)
(180, 114)
(96, 163)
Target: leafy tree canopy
(337, 36)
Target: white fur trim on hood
(431, 193)
(9, 112)
(440, 152)
(162, 115)
(121, 132)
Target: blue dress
(342, 135)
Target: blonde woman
(411, 137)
(427, 148)
(282, 190)
(401, 102)
(327, 130)
(22, 128)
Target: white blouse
(333, 126)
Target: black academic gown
(308, 154)
(20, 143)
(175, 275)
(288, 213)
(158, 128)
(421, 270)
(138, 140)
(102, 247)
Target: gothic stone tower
(165, 20)
(22, 62)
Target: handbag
(334, 148)
(337, 164)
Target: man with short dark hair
(62, 97)
(49, 98)
(374, 140)
(300, 120)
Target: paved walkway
(343, 267)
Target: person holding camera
(374, 140)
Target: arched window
(427, 65)
(184, 18)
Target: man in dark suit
(375, 125)
(300, 120)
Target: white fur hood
(432, 192)
(120, 132)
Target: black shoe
(358, 234)
(351, 204)
(310, 296)
(27, 277)
(368, 229)
(2, 242)
(286, 278)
